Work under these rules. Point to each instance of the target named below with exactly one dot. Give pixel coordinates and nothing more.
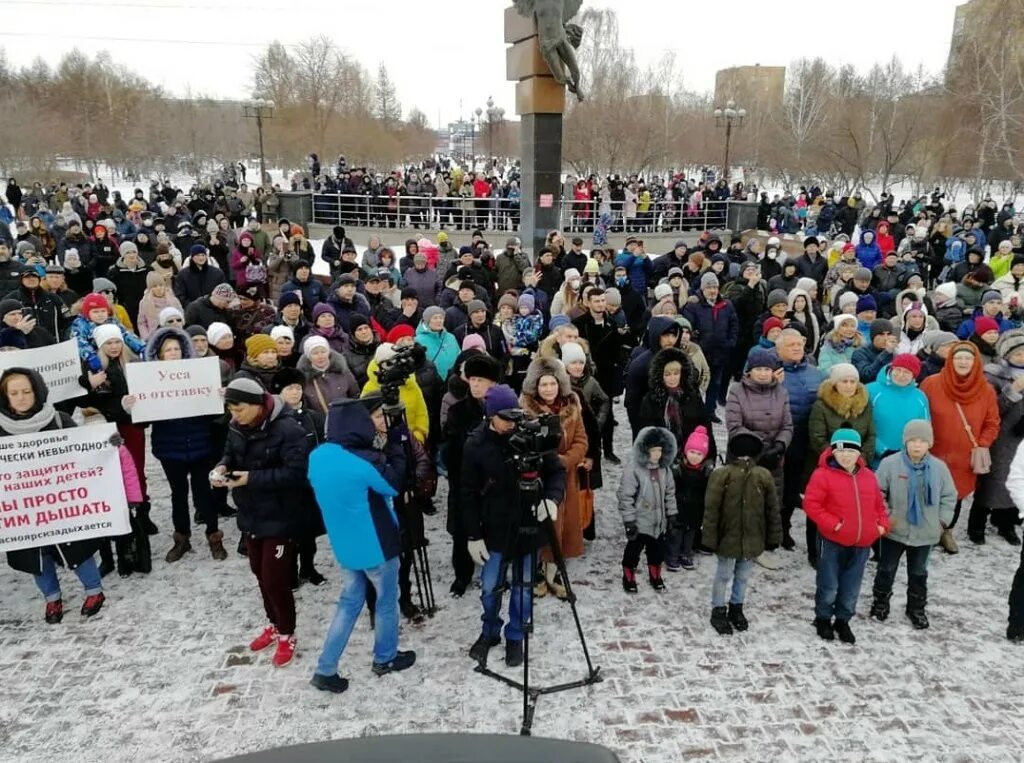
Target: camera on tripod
(534, 436)
(392, 373)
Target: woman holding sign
(24, 410)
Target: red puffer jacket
(851, 501)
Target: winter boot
(977, 537)
(54, 612)
(243, 547)
(93, 604)
(917, 600)
(720, 621)
(1009, 534)
(482, 646)
(788, 544)
(948, 542)
(842, 629)
(737, 618)
(553, 579)
(182, 545)
(125, 548)
(411, 612)
(402, 661)
(1015, 632)
(144, 521)
(880, 605)
(217, 550)
(823, 626)
(629, 580)
(106, 558)
(514, 653)
(654, 574)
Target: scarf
(28, 424)
(963, 389)
(920, 484)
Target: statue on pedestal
(558, 38)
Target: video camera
(392, 373)
(534, 436)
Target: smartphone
(28, 312)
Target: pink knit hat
(698, 441)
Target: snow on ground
(164, 672)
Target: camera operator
(493, 511)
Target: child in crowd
(96, 312)
(843, 500)
(647, 503)
(919, 491)
(691, 483)
(741, 522)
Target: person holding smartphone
(21, 320)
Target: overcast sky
(446, 51)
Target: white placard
(174, 389)
(58, 364)
(60, 486)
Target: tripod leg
(416, 572)
(425, 563)
(556, 552)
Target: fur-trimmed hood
(156, 339)
(655, 437)
(337, 364)
(657, 370)
(544, 367)
(847, 407)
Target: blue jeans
(734, 572)
(384, 579)
(520, 606)
(889, 554)
(87, 572)
(840, 571)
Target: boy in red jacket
(844, 501)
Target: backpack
(255, 272)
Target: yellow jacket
(412, 398)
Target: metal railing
(497, 214)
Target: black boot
(125, 555)
(106, 558)
(482, 646)
(720, 621)
(823, 626)
(144, 521)
(243, 548)
(628, 580)
(842, 629)
(1015, 632)
(737, 618)
(1009, 534)
(880, 606)
(917, 600)
(788, 544)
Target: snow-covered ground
(164, 673)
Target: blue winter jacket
(801, 380)
(639, 269)
(81, 331)
(442, 348)
(967, 327)
(869, 255)
(354, 484)
(716, 328)
(892, 407)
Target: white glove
(547, 508)
(478, 552)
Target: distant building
(756, 88)
(979, 26)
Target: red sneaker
(54, 611)
(93, 604)
(285, 651)
(265, 639)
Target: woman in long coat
(547, 389)
(957, 394)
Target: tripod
(394, 413)
(527, 533)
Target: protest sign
(60, 486)
(174, 389)
(58, 364)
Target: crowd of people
(876, 385)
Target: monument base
(541, 177)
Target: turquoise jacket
(892, 407)
(441, 346)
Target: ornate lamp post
(727, 116)
(260, 109)
(495, 115)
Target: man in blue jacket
(636, 262)
(717, 331)
(355, 475)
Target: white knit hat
(170, 312)
(105, 332)
(282, 331)
(217, 331)
(384, 353)
(573, 353)
(312, 342)
(661, 291)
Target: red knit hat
(771, 323)
(400, 331)
(96, 301)
(698, 440)
(907, 362)
(984, 324)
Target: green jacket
(893, 480)
(831, 411)
(741, 511)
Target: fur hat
(655, 437)
(541, 367)
(919, 429)
(482, 366)
(285, 378)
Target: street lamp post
(475, 121)
(495, 114)
(260, 109)
(728, 116)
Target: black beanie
(244, 391)
(745, 445)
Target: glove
(116, 440)
(478, 552)
(546, 509)
(772, 455)
(631, 530)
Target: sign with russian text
(58, 364)
(174, 389)
(60, 486)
